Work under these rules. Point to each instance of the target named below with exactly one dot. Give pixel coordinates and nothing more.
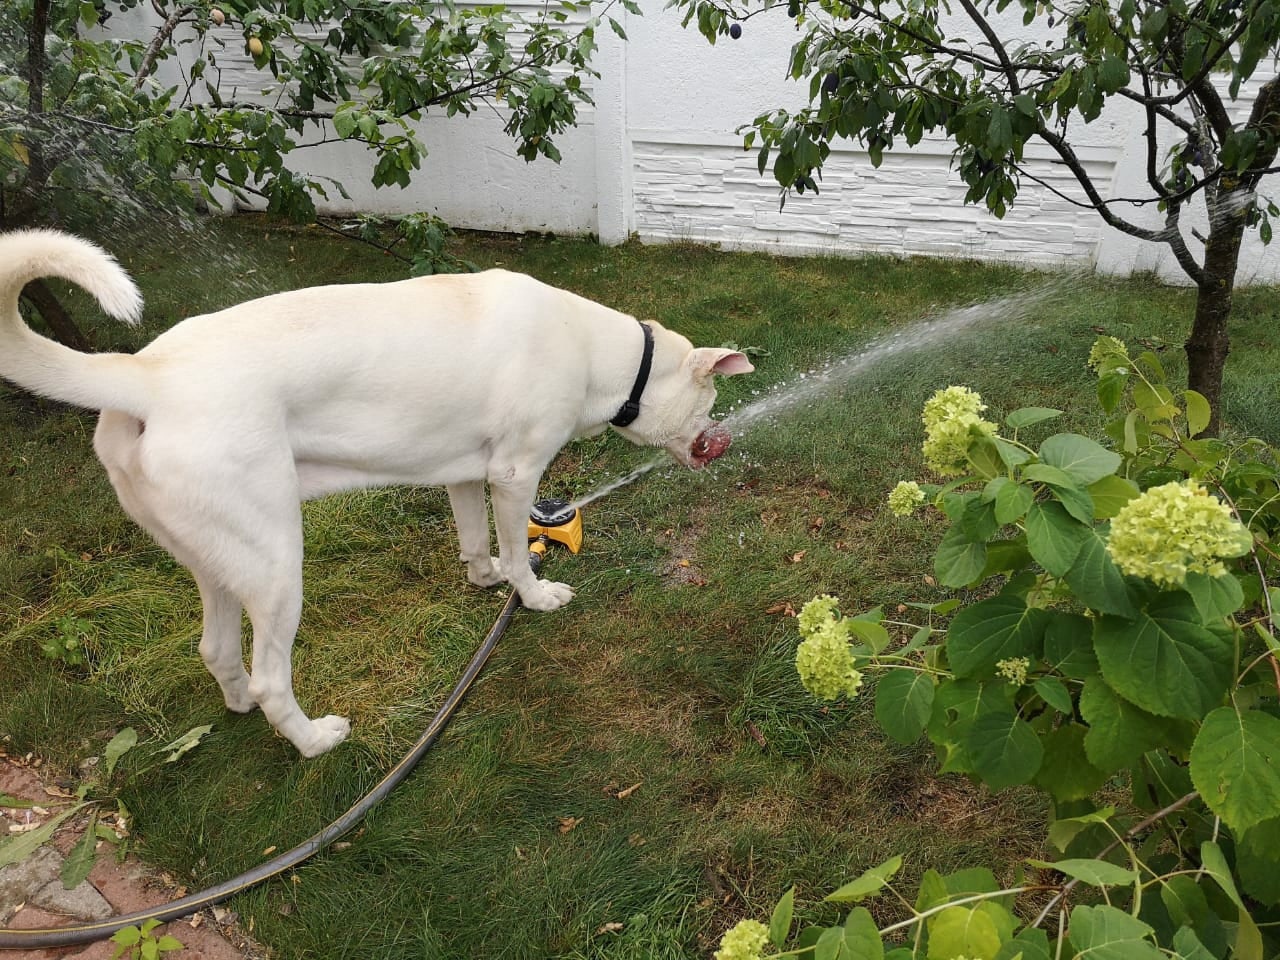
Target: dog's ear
(708, 361)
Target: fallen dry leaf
(756, 735)
(568, 823)
(623, 794)
(270, 850)
(608, 928)
(816, 524)
(798, 556)
(785, 608)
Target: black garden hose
(95, 930)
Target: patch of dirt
(113, 887)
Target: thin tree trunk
(1210, 340)
(60, 324)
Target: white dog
(216, 431)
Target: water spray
(552, 521)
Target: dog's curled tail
(99, 381)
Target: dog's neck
(628, 412)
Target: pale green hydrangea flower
(1014, 670)
(905, 497)
(744, 941)
(1108, 353)
(1176, 529)
(817, 614)
(826, 664)
(949, 415)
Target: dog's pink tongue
(710, 443)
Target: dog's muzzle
(708, 445)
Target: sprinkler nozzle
(556, 520)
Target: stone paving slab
(32, 895)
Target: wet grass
(645, 757)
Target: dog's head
(675, 408)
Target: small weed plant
(140, 943)
(1116, 650)
(98, 793)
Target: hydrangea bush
(1118, 632)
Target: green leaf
(904, 702)
(19, 846)
(1258, 861)
(1190, 947)
(1013, 500)
(961, 932)
(1031, 943)
(1096, 873)
(1119, 733)
(1062, 832)
(1105, 933)
(780, 921)
(1215, 597)
(992, 630)
(1004, 748)
(1054, 537)
(119, 745)
(1164, 660)
(1066, 771)
(1012, 454)
(1068, 645)
(1054, 692)
(862, 936)
(1026, 416)
(867, 884)
(1248, 940)
(959, 560)
(187, 742)
(1185, 901)
(76, 867)
(1110, 494)
(1085, 461)
(1096, 580)
(1235, 764)
(1199, 413)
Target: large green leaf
(1095, 873)
(868, 884)
(995, 629)
(1031, 943)
(1165, 660)
(1096, 580)
(1004, 748)
(1119, 733)
(1105, 933)
(1026, 416)
(1110, 494)
(862, 936)
(961, 932)
(1066, 771)
(1085, 461)
(904, 701)
(1054, 537)
(1258, 860)
(1068, 645)
(959, 560)
(1235, 764)
(1215, 597)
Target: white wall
(659, 157)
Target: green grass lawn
(668, 680)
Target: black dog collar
(631, 409)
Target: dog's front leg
(512, 501)
(472, 521)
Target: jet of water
(786, 397)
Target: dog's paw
(326, 733)
(546, 595)
(484, 572)
(240, 701)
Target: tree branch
(158, 43)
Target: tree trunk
(1210, 340)
(57, 319)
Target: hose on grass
(89, 932)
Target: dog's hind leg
(472, 521)
(220, 646)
